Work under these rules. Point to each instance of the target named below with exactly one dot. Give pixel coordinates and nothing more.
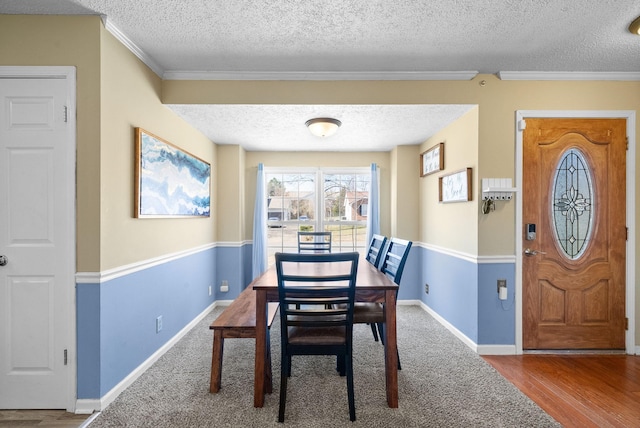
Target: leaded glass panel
(572, 203)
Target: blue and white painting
(172, 183)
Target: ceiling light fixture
(323, 126)
(635, 26)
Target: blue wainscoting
(231, 263)
(453, 289)
(411, 277)
(463, 292)
(88, 340)
(116, 318)
(496, 318)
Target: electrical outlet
(501, 283)
(159, 324)
(224, 287)
(426, 288)
(210, 290)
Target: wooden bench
(238, 321)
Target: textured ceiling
(401, 39)
(487, 36)
(282, 128)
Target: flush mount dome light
(323, 126)
(635, 26)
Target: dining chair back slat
(376, 249)
(314, 242)
(395, 258)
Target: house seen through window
(333, 200)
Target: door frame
(630, 116)
(68, 73)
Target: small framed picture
(432, 160)
(455, 187)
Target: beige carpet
(442, 384)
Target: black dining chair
(314, 242)
(374, 255)
(316, 313)
(392, 265)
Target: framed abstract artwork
(455, 187)
(169, 182)
(432, 160)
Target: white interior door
(37, 240)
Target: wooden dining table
(371, 286)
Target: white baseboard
(93, 405)
(87, 406)
(497, 349)
(470, 343)
(479, 349)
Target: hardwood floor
(40, 419)
(578, 390)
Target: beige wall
(65, 41)
(130, 95)
(497, 102)
(405, 204)
(115, 93)
(452, 225)
(231, 191)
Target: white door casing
(37, 237)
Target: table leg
(260, 375)
(216, 361)
(391, 349)
(268, 376)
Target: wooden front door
(574, 192)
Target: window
(572, 201)
(325, 199)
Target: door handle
(3, 260)
(529, 252)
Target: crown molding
(568, 75)
(319, 75)
(137, 51)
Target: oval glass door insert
(572, 201)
